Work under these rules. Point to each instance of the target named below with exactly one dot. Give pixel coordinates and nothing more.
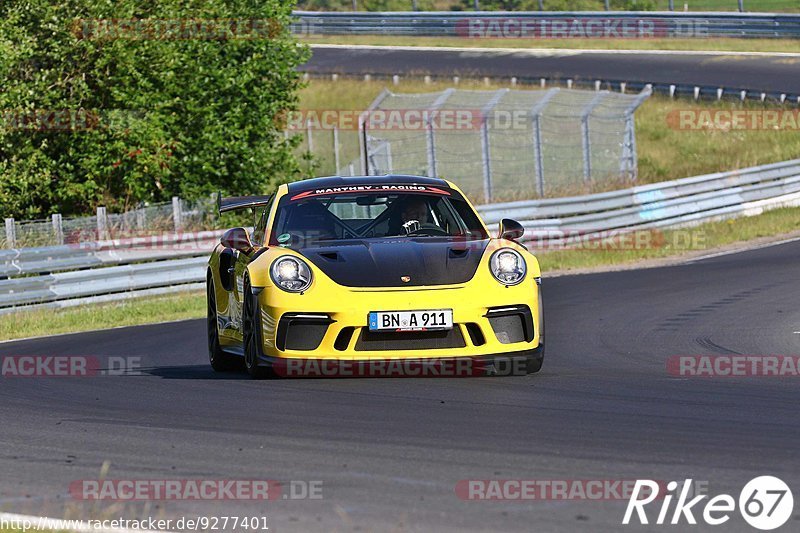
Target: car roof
(344, 181)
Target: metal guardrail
(105, 253)
(87, 283)
(454, 23)
(676, 203)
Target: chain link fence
(498, 145)
(179, 216)
(506, 145)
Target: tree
(117, 102)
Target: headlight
(508, 266)
(291, 274)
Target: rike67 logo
(765, 503)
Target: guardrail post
(586, 141)
(11, 233)
(672, 5)
(102, 224)
(741, 6)
(177, 214)
(58, 229)
(538, 156)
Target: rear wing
(234, 203)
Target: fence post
(336, 148)
(11, 233)
(429, 137)
(102, 224)
(741, 6)
(587, 145)
(672, 5)
(309, 138)
(485, 152)
(538, 155)
(430, 144)
(177, 215)
(608, 8)
(629, 163)
(58, 229)
(362, 148)
(141, 219)
(389, 162)
(362, 130)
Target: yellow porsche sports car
(372, 275)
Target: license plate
(434, 319)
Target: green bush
(166, 116)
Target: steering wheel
(430, 229)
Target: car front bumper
(488, 320)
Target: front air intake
(511, 323)
(303, 332)
(409, 340)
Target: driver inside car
(411, 215)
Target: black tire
(220, 360)
(535, 361)
(251, 333)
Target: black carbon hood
(385, 262)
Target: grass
(673, 243)
(725, 45)
(733, 5)
(665, 152)
(659, 245)
(133, 312)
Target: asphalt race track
(390, 451)
(768, 73)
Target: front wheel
(251, 333)
(534, 362)
(220, 361)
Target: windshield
(302, 221)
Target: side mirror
(238, 239)
(510, 229)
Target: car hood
(387, 262)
